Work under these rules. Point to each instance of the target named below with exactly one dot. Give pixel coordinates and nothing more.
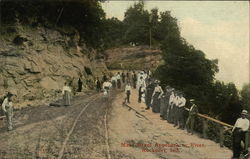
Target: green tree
(167, 27)
(113, 32)
(245, 96)
(136, 22)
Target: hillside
(133, 57)
(36, 61)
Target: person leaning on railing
(193, 111)
(239, 131)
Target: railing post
(204, 132)
(221, 136)
(246, 140)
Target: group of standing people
(171, 105)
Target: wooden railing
(223, 127)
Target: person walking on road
(114, 81)
(106, 87)
(98, 85)
(118, 79)
(134, 79)
(66, 91)
(7, 107)
(123, 77)
(128, 92)
(239, 131)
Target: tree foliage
(86, 15)
(136, 22)
(245, 96)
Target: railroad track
(61, 152)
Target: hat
(9, 94)
(157, 81)
(244, 112)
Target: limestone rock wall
(35, 63)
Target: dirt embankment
(133, 57)
(36, 61)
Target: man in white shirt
(239, 131)
(7, 107)
(127, 92)
(66, 91)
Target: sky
(219, 28)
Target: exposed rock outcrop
(35, 62)
(133, 57)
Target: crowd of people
(169, 103)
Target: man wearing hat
(193, 111)
(239, 131)
(8, 110)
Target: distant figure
(66, 94)
(123, 77)
(114, 81)
(79, 85)
(239, 131)
(149, 91)
(7, 107)
(141, 85)
(104, 78)
(118, 79)
(98, 85)
(106, 87)
(193, 111)
(134, 79)
(128, 92)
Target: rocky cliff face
(133, 57)
(35, 62)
